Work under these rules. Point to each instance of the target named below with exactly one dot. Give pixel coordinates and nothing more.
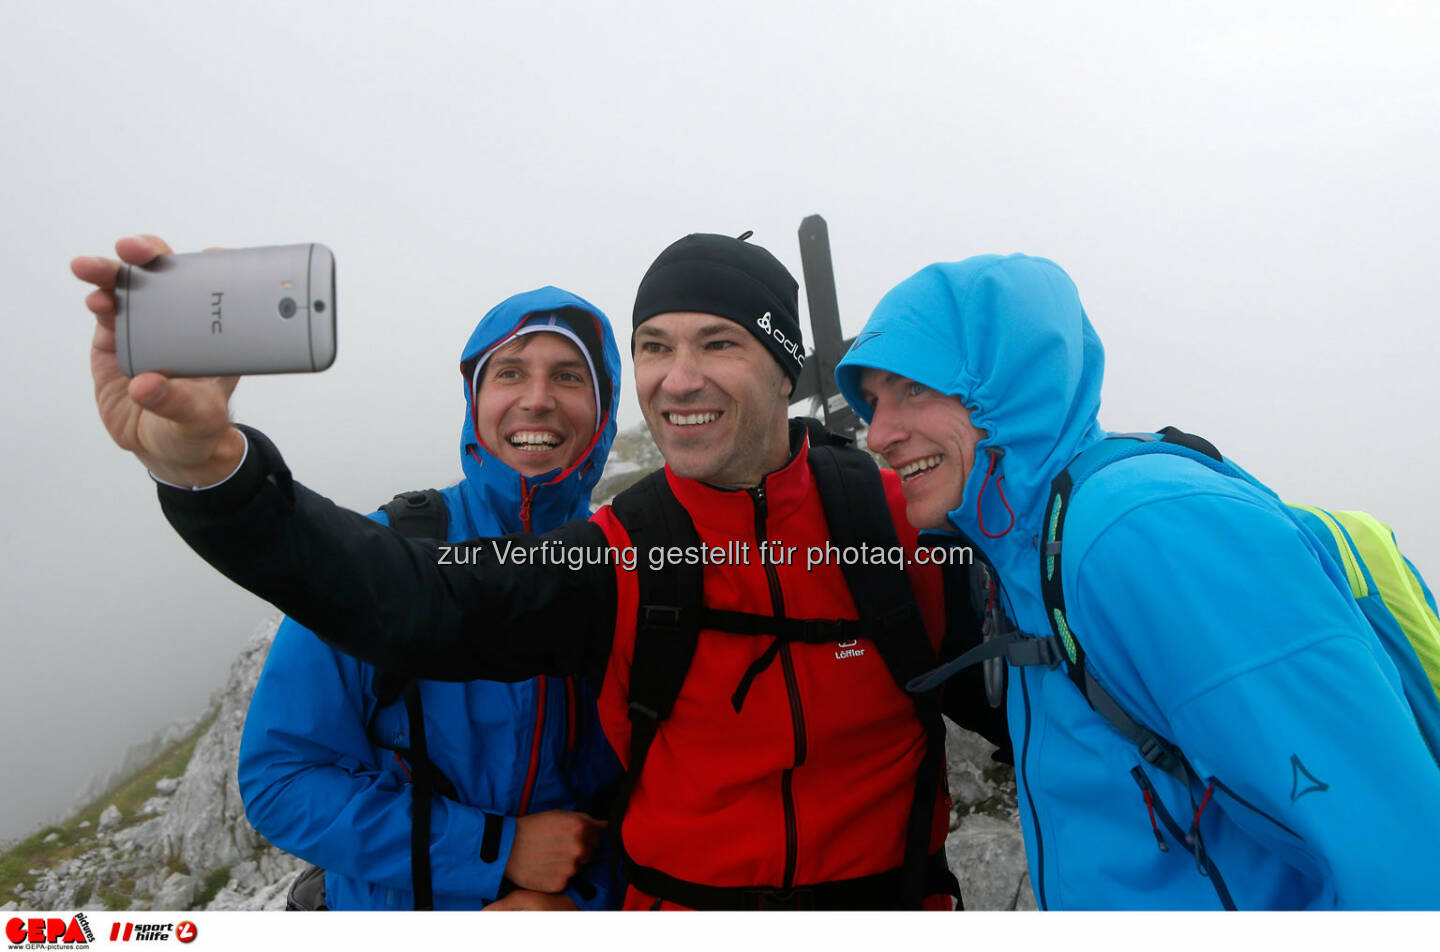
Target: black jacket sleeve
(419, 608)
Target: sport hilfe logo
(35, 932)
(183, 931)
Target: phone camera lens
(319, 306)
(287, 307)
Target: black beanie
(730, 278)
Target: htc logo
(215, 327)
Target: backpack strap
(1170, 440)
(421, 514)
(416, 515)
(667, 622)
(884, 598)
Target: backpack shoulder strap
(667, 621)
(421, 514)
(1171, 441)
(857, 514)
(853, 498)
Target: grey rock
(259, 884)
(110, 818)
(51, 838)
(167, 785)
(177, 893)
(1025, 899)
(154, 806)
(205, 826)
(985, 847)
(10, 906)
(144, 836)
(83, 825)
(967, 757)
(987, 855)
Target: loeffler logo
(52, 933)
(847, 649)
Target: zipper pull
(1155, 827)
(527, 493)
(1193, 836)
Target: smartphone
(247, 311)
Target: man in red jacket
(792, 770)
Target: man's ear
(787, 387)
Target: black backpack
(668, 622)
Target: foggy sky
(1246, 200)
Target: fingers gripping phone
(248, 311)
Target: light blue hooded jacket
(1208, 612)
(318, 787)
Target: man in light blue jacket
(1209, 614)
(326, 760)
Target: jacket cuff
(497, 838)
(262, 464)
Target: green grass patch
(212, 884)
(34, 853)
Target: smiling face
(925, 436)
(535, 404)
(713, 397)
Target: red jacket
(812, 780)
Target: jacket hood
(495, 495)
(1009, 338)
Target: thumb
(171, 399)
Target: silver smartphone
(248, 311)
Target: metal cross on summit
(817, 379)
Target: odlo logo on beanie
(790, 347)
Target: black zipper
(792, 690)
(1207, 865)
(1037, 879)
(1252, 807)
(1037, 876)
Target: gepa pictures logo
(35, 932)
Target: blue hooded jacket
(318, 786)
(1208, 612)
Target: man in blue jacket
(326, 758)
(1208, 614)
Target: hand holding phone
(248, 311)
(180, 430)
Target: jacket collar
(731, 512)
